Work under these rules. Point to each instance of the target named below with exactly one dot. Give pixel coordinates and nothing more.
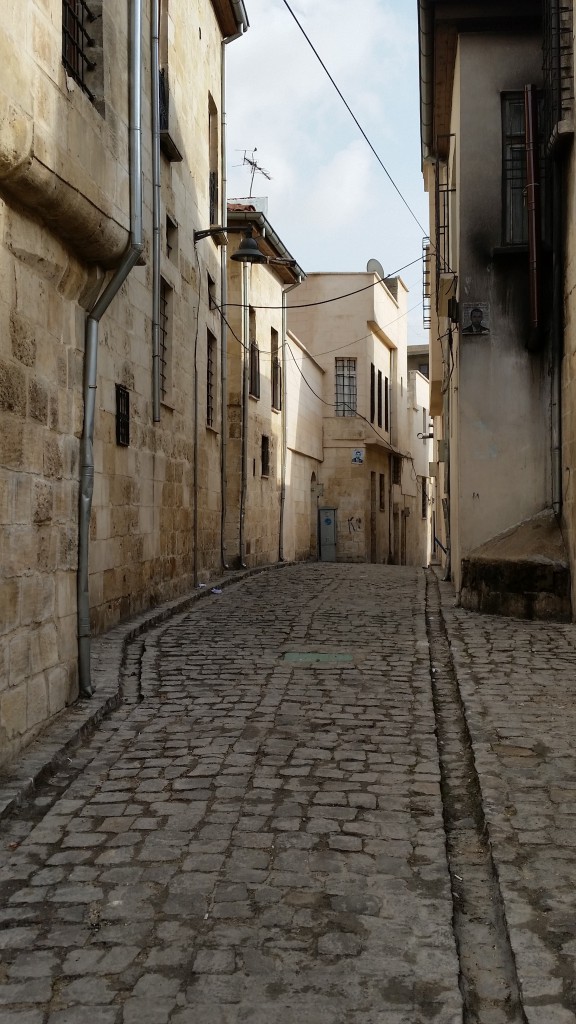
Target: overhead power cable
(335, 298)
(355, 119)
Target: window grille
(346, 392)
(277, 384)
(213, 207)
(424, 495)
(164, 336)
(265, 455)
(210, 379)
(164, 100)
(76, 41)
(396, 469)
(515, 227)
(372, 392)
(122, 416)
(254, 370)
(558, 65)
(426, 285)
(442, 208)
(379, 398)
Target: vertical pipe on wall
(131, 256)
(245, 336)
(156, 204)
(284, 440)
(223, 308)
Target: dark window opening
(372, 392)
(265, 457)
(165, 353)
(276, 371)
(424, 482)
(210, 379)
(382, 491)
(386, 404)
(213, 181)
(254, 370)
(122, 416)
(515, 226)
(212, 304)
(346, 392)
(171, 239)
(379, 398)
(396, 469)
(77, 41)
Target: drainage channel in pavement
(488, 978)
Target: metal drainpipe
(133, 251)
(284, 452)
(245, 400)
(223, 308)
(156, 204)
(557, 337)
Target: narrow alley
(326, 796)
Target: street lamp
(247, 252)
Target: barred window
(346, 391)
(210, 379)
(254, 370)
(122, 416)
(265, 455)
(372, 392)
(276, 371)
(379, 398)
(515, 228)
(78, 42)
(165, 339)
(424, 493)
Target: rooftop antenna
(250, 161)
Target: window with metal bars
(396, 469)
(213, 180)
(346, 389)
(557, 50)
(372, 392)
(276, 370)
(165, 339)
(78, 42)
(424, 496)
(515, 218)
(122, 416)
(254, 369)
(265, 455)
(379, 398)
(210, 379)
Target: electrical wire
(336, 298)
(355, 119)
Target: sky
(329, 199)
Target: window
(382, 491)
(386, 404)
(211, 293)
(254, 370)
(424, 368)
(171, 239)
(379, 398)
(396, 469)
(210, 378)
(276, 371)
(345, 387)
(122, 416)
(213, 216)
(265, 455)
(165, 339)
(515, 226)
(424, 494)
(78, 42)
(372, 393)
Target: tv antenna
(250, 161)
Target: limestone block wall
(64, 214)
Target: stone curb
(79, 721)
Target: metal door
(327, 533)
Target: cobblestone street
(285, 820)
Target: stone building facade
(375, 467)
(77, 99)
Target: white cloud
(329, 199)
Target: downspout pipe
(242, 22)
(130, 258)
(426, 46)
(245, 400)
(284, 441)
(156, 203)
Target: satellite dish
(375, 267)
